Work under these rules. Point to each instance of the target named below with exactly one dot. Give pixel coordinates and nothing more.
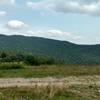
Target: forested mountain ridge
(69, 52)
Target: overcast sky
(77, 21)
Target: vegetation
(27, 59)
(11, 65)
(66, 52)
(48, 58)
(49, 92)
(29, 65)
(39, 60)
(51, 71)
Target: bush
(28, 59)
(31, 60)
(38, 60)
(3, 55)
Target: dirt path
(71, 80)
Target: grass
(51, 93)
(52, 70)
(11, 65)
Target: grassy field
(50, 92)
(51, 70)
(91, 92)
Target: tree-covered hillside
(65, 51)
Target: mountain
(69, 52)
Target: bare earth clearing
(66, 81)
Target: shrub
(28, 59)
(38, 60)
(31, 60)
(3, 55)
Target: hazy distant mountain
(71, 53)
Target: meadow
(49, 92)
(20, 70)
(75, 92)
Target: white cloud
(7, 1)
(38, 5)
(3, 13)
(15, 24)
(49, 33)
(55, 34)
(90, 7)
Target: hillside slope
(71, 53)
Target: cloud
(3, 13)
(38, 5)
(55, 34)
(7, 1)
(51, 33)
(77, 37)
(15, 24)
(89, 7)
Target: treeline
(28, 59)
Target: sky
(77, 21)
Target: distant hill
(69, 52)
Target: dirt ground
(66, 81)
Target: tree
(3, 55)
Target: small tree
(3, 55)
(31, 60)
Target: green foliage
(51, 71)
(63, 51)
(38, 60)
(3, 55)
(11, 65)
(11, 57)
(28, 59)
(31, 60)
